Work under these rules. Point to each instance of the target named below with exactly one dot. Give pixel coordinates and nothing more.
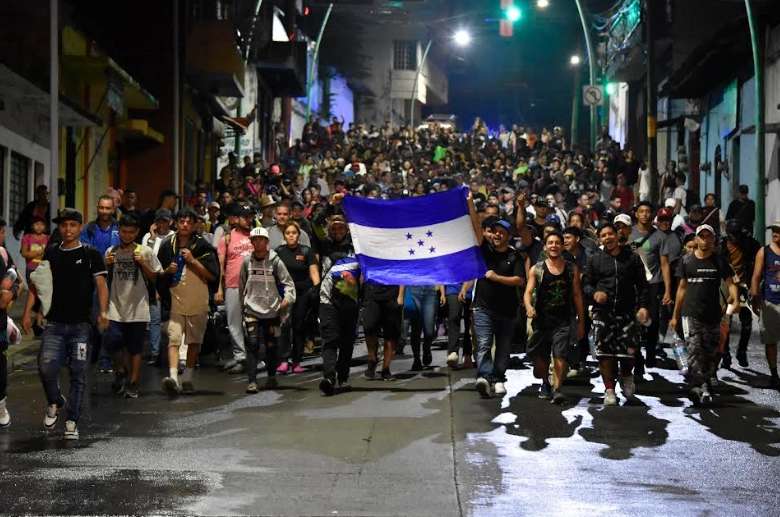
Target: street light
(462, 37)
(542, 4)
(513, 13)
(575, 60)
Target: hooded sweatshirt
(263, 285)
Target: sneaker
(251, 388)
(483, 387)
(153, 360)
(468, 362)
(370, 372)
(236, 369)
(71, 431)
(416, 365)
(610, 399)
(297, 368)
(283, 368)
(171, 386)
(628, 385)
(545, 391)
(344, 386)
(326, 387)
(725, 361)
(131, 391)
(499, 388)
(742, 358)
(52, 414)
(271, 383)
(706, 396)
(696, 395)
(118, 386)
(387, 375)
(105, 370)
(574, 373)
(452, 359)
(558, 398)
(5, 416)
(187, 388)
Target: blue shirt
(100, 239)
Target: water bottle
(179, 270)
(680, 350)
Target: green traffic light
(513, 13)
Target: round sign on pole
(592, 95)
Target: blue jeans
(488, 325)
(424, 301)
(155, 325)
(65, 344)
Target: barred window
(404, 55)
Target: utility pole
(652, 104)
(592, 72)
(758, 82)
(575, 109)
(416, 80)
(315, 56)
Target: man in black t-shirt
(698, 302)
(76, 272)
(496, 302)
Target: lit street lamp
(461, 38)
(575, 60)
(542, 4)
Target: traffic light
(510, 14)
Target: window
(19, 188)
(404, 55)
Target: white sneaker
(610, 399)
(628, 385)
(5, 417)
(499, 388)
(706, 397)
(483, 387)
(71, 431)
(50, 416)
(171, 386)
(452, 359)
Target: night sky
(524, 79)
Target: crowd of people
(580, 262)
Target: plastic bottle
(179, 270)
(680, 350)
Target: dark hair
(743, 189)
(129, 220)
(291, 223)
(3, 223)
(167, 193)
(688, 238)
(104, 197)
(645, 203)
(573, 230)
(187, 213)
(557, 233)
(607, 224)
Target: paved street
(424, 445)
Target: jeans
(456, 311)
(488, 325)
(262, 338)
(422, 316)
(235, 322)
(155, 328)
(65, 344)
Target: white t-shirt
(128, 300)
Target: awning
(16, 89)
(93, 69)
(139, 129)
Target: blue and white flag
(415, 241)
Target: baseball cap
(703, 228)
(68, 214)
(665, 214)
(163, 214)
(258, 232)
(503, 224)
(623, 219)
(774, 225)
(670, 202)
(214, 204)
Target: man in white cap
(698, 302)
(765, 294)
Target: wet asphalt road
(423, 445)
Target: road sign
(592, 95)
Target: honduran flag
(415, 241)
